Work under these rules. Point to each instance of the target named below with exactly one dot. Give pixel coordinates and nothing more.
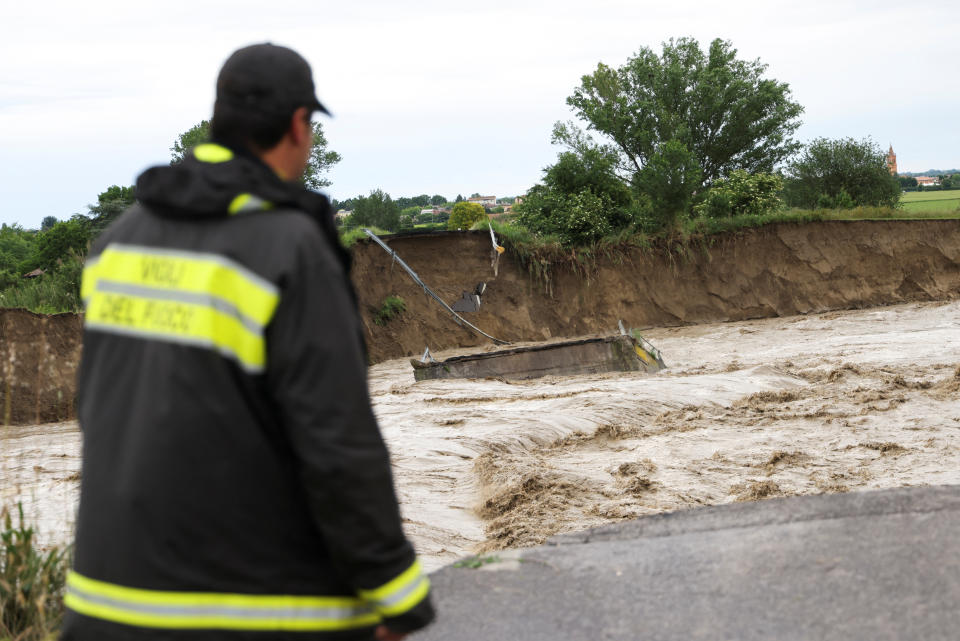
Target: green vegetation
(670, 126)
(476, 562)
(391, 307)
(465, 214)
(350, 237)
(31, 583)
(742, 194)
(59, 251)
(54, 292)
(377, 209)
(840, 173)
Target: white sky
(435, 96)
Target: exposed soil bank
(38, 364)
(778, 270)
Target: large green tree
(110, 204)
(195, 135)
(841, 173)
(314, 176)
(680, 106)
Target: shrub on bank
(54, 292)
(31, 583)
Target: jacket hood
(215, 181)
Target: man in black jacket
(235, 482)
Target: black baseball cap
(267, 78)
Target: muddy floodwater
(831, 402)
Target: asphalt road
(871, 565)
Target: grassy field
(931, 201)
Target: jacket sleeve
(317, 376)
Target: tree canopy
(110, 204)
(195, 135)
(375, 210)
(465, 214)
(720, 108)
(314, 176)
(841, 173)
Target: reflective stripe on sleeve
(401, 594)
(204, 610)
(191, 298)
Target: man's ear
(300, 128)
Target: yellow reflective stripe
(401, 593)
(178, 322)
(89, 278)
(187, 271)
(247, 202)
(237, 204)
(189, 298)
(213, 153)
(205, 610)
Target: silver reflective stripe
(179, 296)
(189, 341)
(255, 278)
(397, 597)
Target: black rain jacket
(235, 483)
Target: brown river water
(830, 402)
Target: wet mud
(750, 410)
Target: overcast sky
(435, 97)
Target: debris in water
(625, 353)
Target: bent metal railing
(457, 317)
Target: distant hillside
(930, 172)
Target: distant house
(928, 181)
(892, 161)
(486, 201)
(343, 213)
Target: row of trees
(379, 210)
(58, 247)
(947, 182)
(691, 132)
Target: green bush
(848, 172)
(349, 237)
(742, 194)
(55, 292)
(55, 244)
(465, 214)
(392, 307)
(842, 200)
(31, 583)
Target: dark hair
(251, 128)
